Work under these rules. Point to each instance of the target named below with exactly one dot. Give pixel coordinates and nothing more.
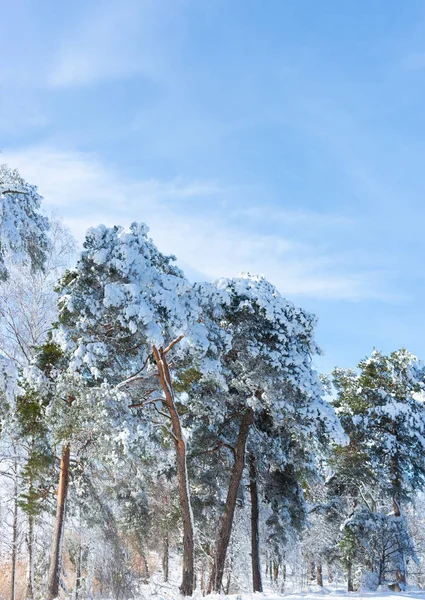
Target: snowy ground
(164, 592)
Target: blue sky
(284, 137)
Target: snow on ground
(168, 592)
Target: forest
(161, 437)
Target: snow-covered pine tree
(268, 371)
(23, 243)
(382, 409)
(23, 228)
(129, 317)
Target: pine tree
(23, 229)
(267, 371)
(381, 408)
(129, 318)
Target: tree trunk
(312, 567)
(203, 576)
(401, 570)
(186, 587)
(30, 566)
(229, 577)
(144, 565)
(55, 556)
(350, 586)
(166, 557)
(330, 573)
(78, 569)
(319, 573)
(257, 585)
(14, 533)
(275, 570)
(225, 531)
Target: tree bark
(401, 571)
(78, 568)
(350, 586)
(186, 587)
(257, 585)
(14, 532)
(225, 531)
(319, 573)
(55, 556)
(166, 557)
(275, 570)
(30, 566)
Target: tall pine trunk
(225, 530)
(55, 556)
(257, 585)
(186, 587)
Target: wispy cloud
(86, 192)
(112, 41)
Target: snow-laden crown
(22, 228)
(123, 297)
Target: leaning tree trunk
(257, 585)
(55, 556)
(223, 538)
(186, 587)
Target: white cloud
(112, 41)
(86, 192)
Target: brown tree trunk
(257, 585)
(319, 574)
(186, 587)
(312, 567)
(225, 531)
(55, 556)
